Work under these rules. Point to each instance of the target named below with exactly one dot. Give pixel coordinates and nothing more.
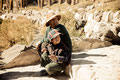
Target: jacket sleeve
(63, 57)
(45, 39)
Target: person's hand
(53, 58)
(43, 50)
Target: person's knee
(49, 69)
(44, 55)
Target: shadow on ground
(16, 75)
(82, 62)
(84, 55)
(78, 59)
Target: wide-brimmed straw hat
(50, 16)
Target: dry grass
(43, 30)
(114, 6)
(15, 31)
(107, 5)
(85, 3)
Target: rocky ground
(93, 64)
(97, 64)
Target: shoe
(43, 73)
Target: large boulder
(9, 54)
(96, 64)
(28, 57)
(80, 44)
(103, 31)
(17, 56)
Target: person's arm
(63, 57)
(51, 53)
(45, 39)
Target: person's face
(56, 40)
(53, 22)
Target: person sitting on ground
(53, 23)
(55, 55)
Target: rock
(35, 12)
(111, 17)
(88, 29)
(80, 24)
(23, 12)
(103, 31)
(9, 54)
(106, 16)
(80, 15)
(90, 7)
(97, 16)
(116, 17)
(87, 43)
(3, 16)
(96, 64)
(90, 17)
(27, 57)
(77, 16)
(87, 73)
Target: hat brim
(54, 36)
(47, 22)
